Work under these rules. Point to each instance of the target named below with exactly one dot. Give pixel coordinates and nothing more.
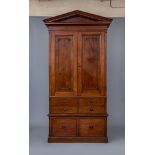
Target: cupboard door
(91, 64)
(63, 64)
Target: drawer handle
(91, 109)
(64, 101)
(64, 109)
(63, 127)
(91, 101)
(91, 127)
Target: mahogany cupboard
(77, 77)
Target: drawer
(63, 105)
(92, 105)
(63, 127)
(92, 127)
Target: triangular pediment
(77, 17)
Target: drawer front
(63, 105)
(63, 127)
(92, 105)
(92, 127)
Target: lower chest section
(77, 119)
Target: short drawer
(92, 105)
(63, 105)
(92, 127)
(63, 127)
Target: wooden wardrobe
(77, 77)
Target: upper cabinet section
(78, 18)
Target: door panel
(64, 64)
(91, 68)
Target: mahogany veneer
(77, 77)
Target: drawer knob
(91, 109)
(90, 101)
(91, 127)
(64, 109)
(63, 127)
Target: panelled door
(63, 66)
(91, 64)
(77, 64)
